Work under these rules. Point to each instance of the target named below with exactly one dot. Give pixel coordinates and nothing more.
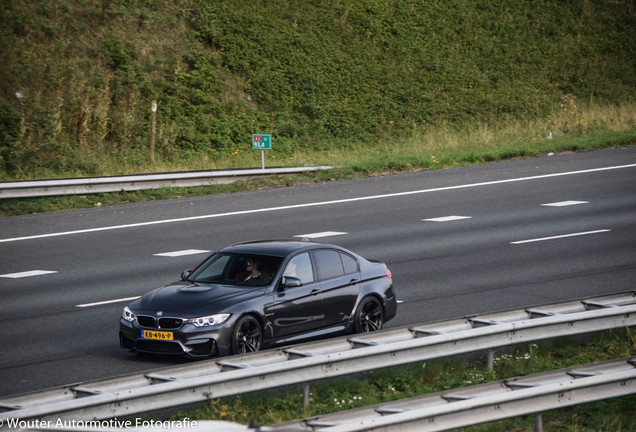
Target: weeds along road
(458, 241)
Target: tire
(247, 336)
(369, 316)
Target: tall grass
(423, 147)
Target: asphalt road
(459, 241)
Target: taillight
(389, 275)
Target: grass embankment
(325, 78)
(266, 408)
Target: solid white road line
(561, 236)
(315, 204)
(107, 302)
(182, 253)
(27, 274)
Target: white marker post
(153, 130)
(262, 142)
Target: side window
(349, 263)
(301, 268)
(328, 263)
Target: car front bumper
(188, 340)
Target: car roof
(274, 247)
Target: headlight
(210, 320)
(128, 315)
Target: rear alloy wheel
(369, 316)
(247, 336)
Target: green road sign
(262, 141)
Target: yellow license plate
(156, 335)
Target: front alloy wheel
(247, 336)
(369, 316)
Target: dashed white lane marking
(447, 218)
(182, 253)
(107, 302)
(321, 234)
(314, 204)
(27, 274)
(561, 236)
(565, 203)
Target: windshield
(237, 269)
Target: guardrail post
(306, 398)
(491, 359)
(538, 422)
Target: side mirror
(185, 274)
(291, 282)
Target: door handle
(314, 292)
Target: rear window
(331, 263)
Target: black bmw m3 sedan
(257, 295)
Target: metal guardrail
(483, 403)
(78, 186)
(176, 386)
(457, 408)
